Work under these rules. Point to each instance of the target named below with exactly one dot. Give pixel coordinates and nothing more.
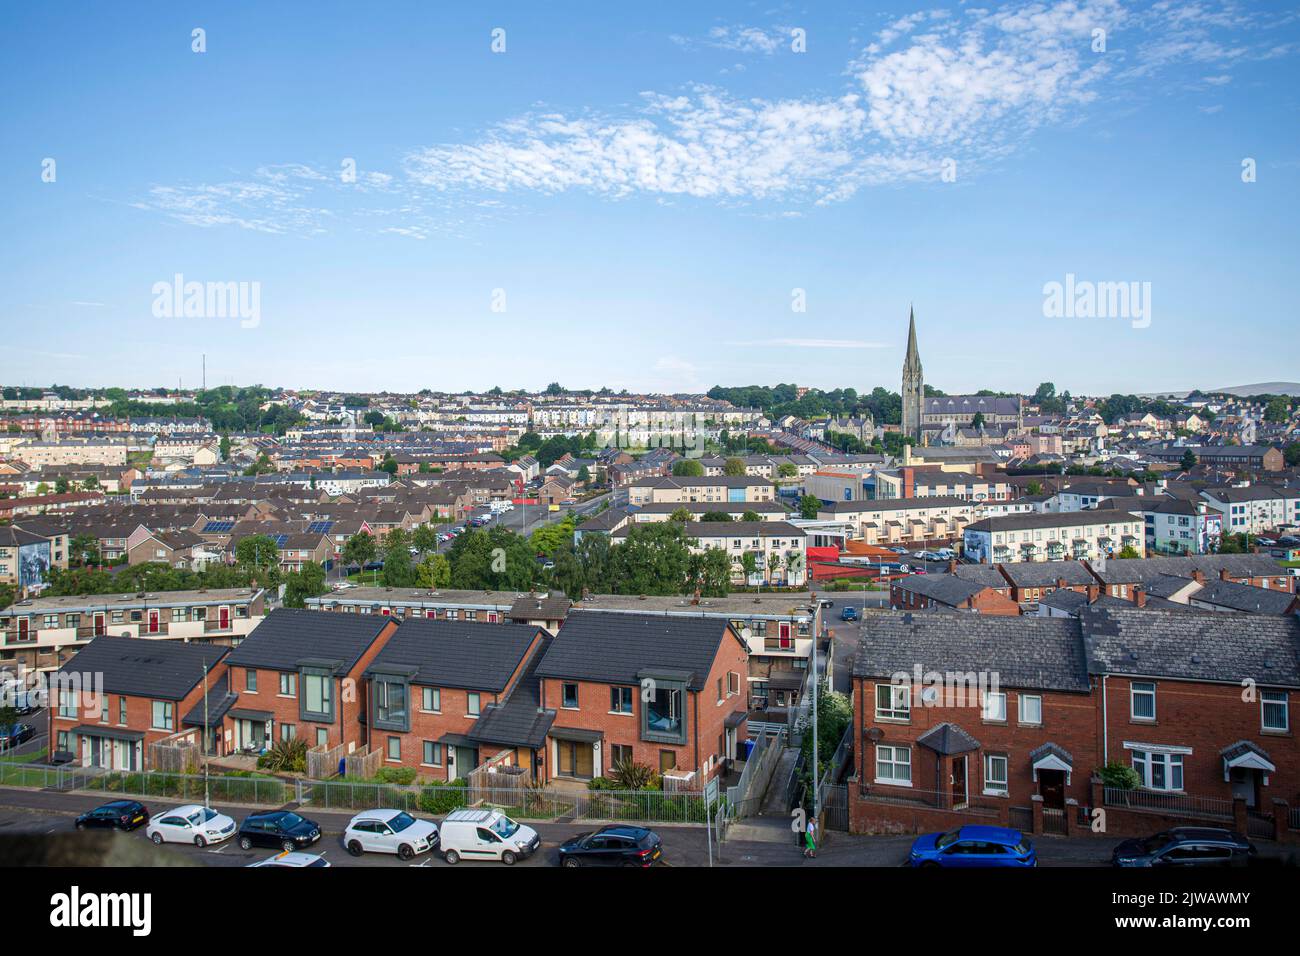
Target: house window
(733, 684)
(317, 700)
(1159, 771)
(995, 706)
(569, 696)
(472, 704)
(432, 753)
(121, 711)
(1275, 713)
(394, 748)
(662, 715)
(620, 700)
(288, 731)
(390, 704)
(995, 774)
(893, 702)
(894, 765)
(162, 714)
(431, 700)
(288, 685)
(322, 737)
(1142, 701)
(1031, 709)
(619, 753)
(250, 681)
(67, 703)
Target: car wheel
(157, 839)
(508, 858)
(452, 857)
(200, 842)
(404, 852)
(571, 862)
(929, 865)
(354, 848)
(287, 846)
(245, 843)
(81, 826)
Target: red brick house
(919, 592)
(433, 682)
(666, 692)
(149, 692)
(300, 674)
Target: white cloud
(738, 39)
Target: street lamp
(816, 755)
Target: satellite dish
(746, 633)
(929, 695)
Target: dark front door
(959, 781)
(1051, 783)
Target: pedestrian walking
(810, 838)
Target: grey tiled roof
(518, 721)
(1244, 597)
(1215, 647)
(984, 574)
(944, 588)
(616, 648)
(1051, 749)
(145, 667)
(948, 738)
(1031, 652)
(1045, 574)
(288, 636)
(1130, 570)
(465, 654)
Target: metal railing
(746, 797)
(929, 799)
(1183, 804)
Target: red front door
(223, 615)
(783, 631)
(99, 625)
(23, 625)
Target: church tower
(913, 385)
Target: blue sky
(647, 189)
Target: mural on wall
(33, 564)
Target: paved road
(49, 813)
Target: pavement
(765, 841)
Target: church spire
(913, 359)
(913, 393)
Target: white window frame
(994, 697)
(1144, 761)
(892, 761)
(1284, 703)
(1021, 700)
(992, 786)
(1133, 694)
(898, 699)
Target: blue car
(849, 614)
(973, 846)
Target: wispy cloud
(813, 344)
(738, 39)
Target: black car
(117, 815)
(612, 846)
(280, 828)
(1185, 846)
(15, 734)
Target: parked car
(15, 734)
(973, 846)
(390, 831)
(289, 859)
(282, 828)
(114, 815)
(1185, 846)
(486, 835)
(848, 613)
(614, 845)
(190, 824)
(1289, 541)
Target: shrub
(285, 756)
(600, 783)
(441, 798)
(630, 775)
(399, 775)
(1121, 775)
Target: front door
(575, 759)
(959, 781)
(99, 625)
(223, 615)
(23, 625)
(783, 636)
(1051, 784)
(466, 760)
(1245, 784)
(153, 622)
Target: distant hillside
(1261, 388)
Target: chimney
(1223, 574)
(1094, 593)
(1139, 595)
(1060, 584)
(1198, 576)
(952, 566)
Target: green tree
(224, 448)
(399, 570)
(809, 505)
(360, 550)
(751, 516)
(715, 516)
(425, 538)
(688, 468)
(300, 585)
(733, 466)
(83, 549)
(257, 552)
(787, 470)
(1188, 461)
(433, 572)
(681, 515)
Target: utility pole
(207, 795)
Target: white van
(486, 835)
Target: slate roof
(1045, 574)
(553, 606)
(1244, 597)
(985, 574)
(1130, 570)
(1033, 652)
(288, 636)
(220, 700)
(144, 667)
(616, 648)
(518, 721)
(1051, 749)
(944, 588)
(948, 738)
(1214, 647)
(464, 654)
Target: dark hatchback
(280, 828)
(1186, 846)
(612, 846)
(15, 734)
(117, 815)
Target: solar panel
(320, 527)
(217, 527)
(280, 540)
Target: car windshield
(947, 839)
(505, 827)
(1157, 842)
(401, 822)
(291, 820)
